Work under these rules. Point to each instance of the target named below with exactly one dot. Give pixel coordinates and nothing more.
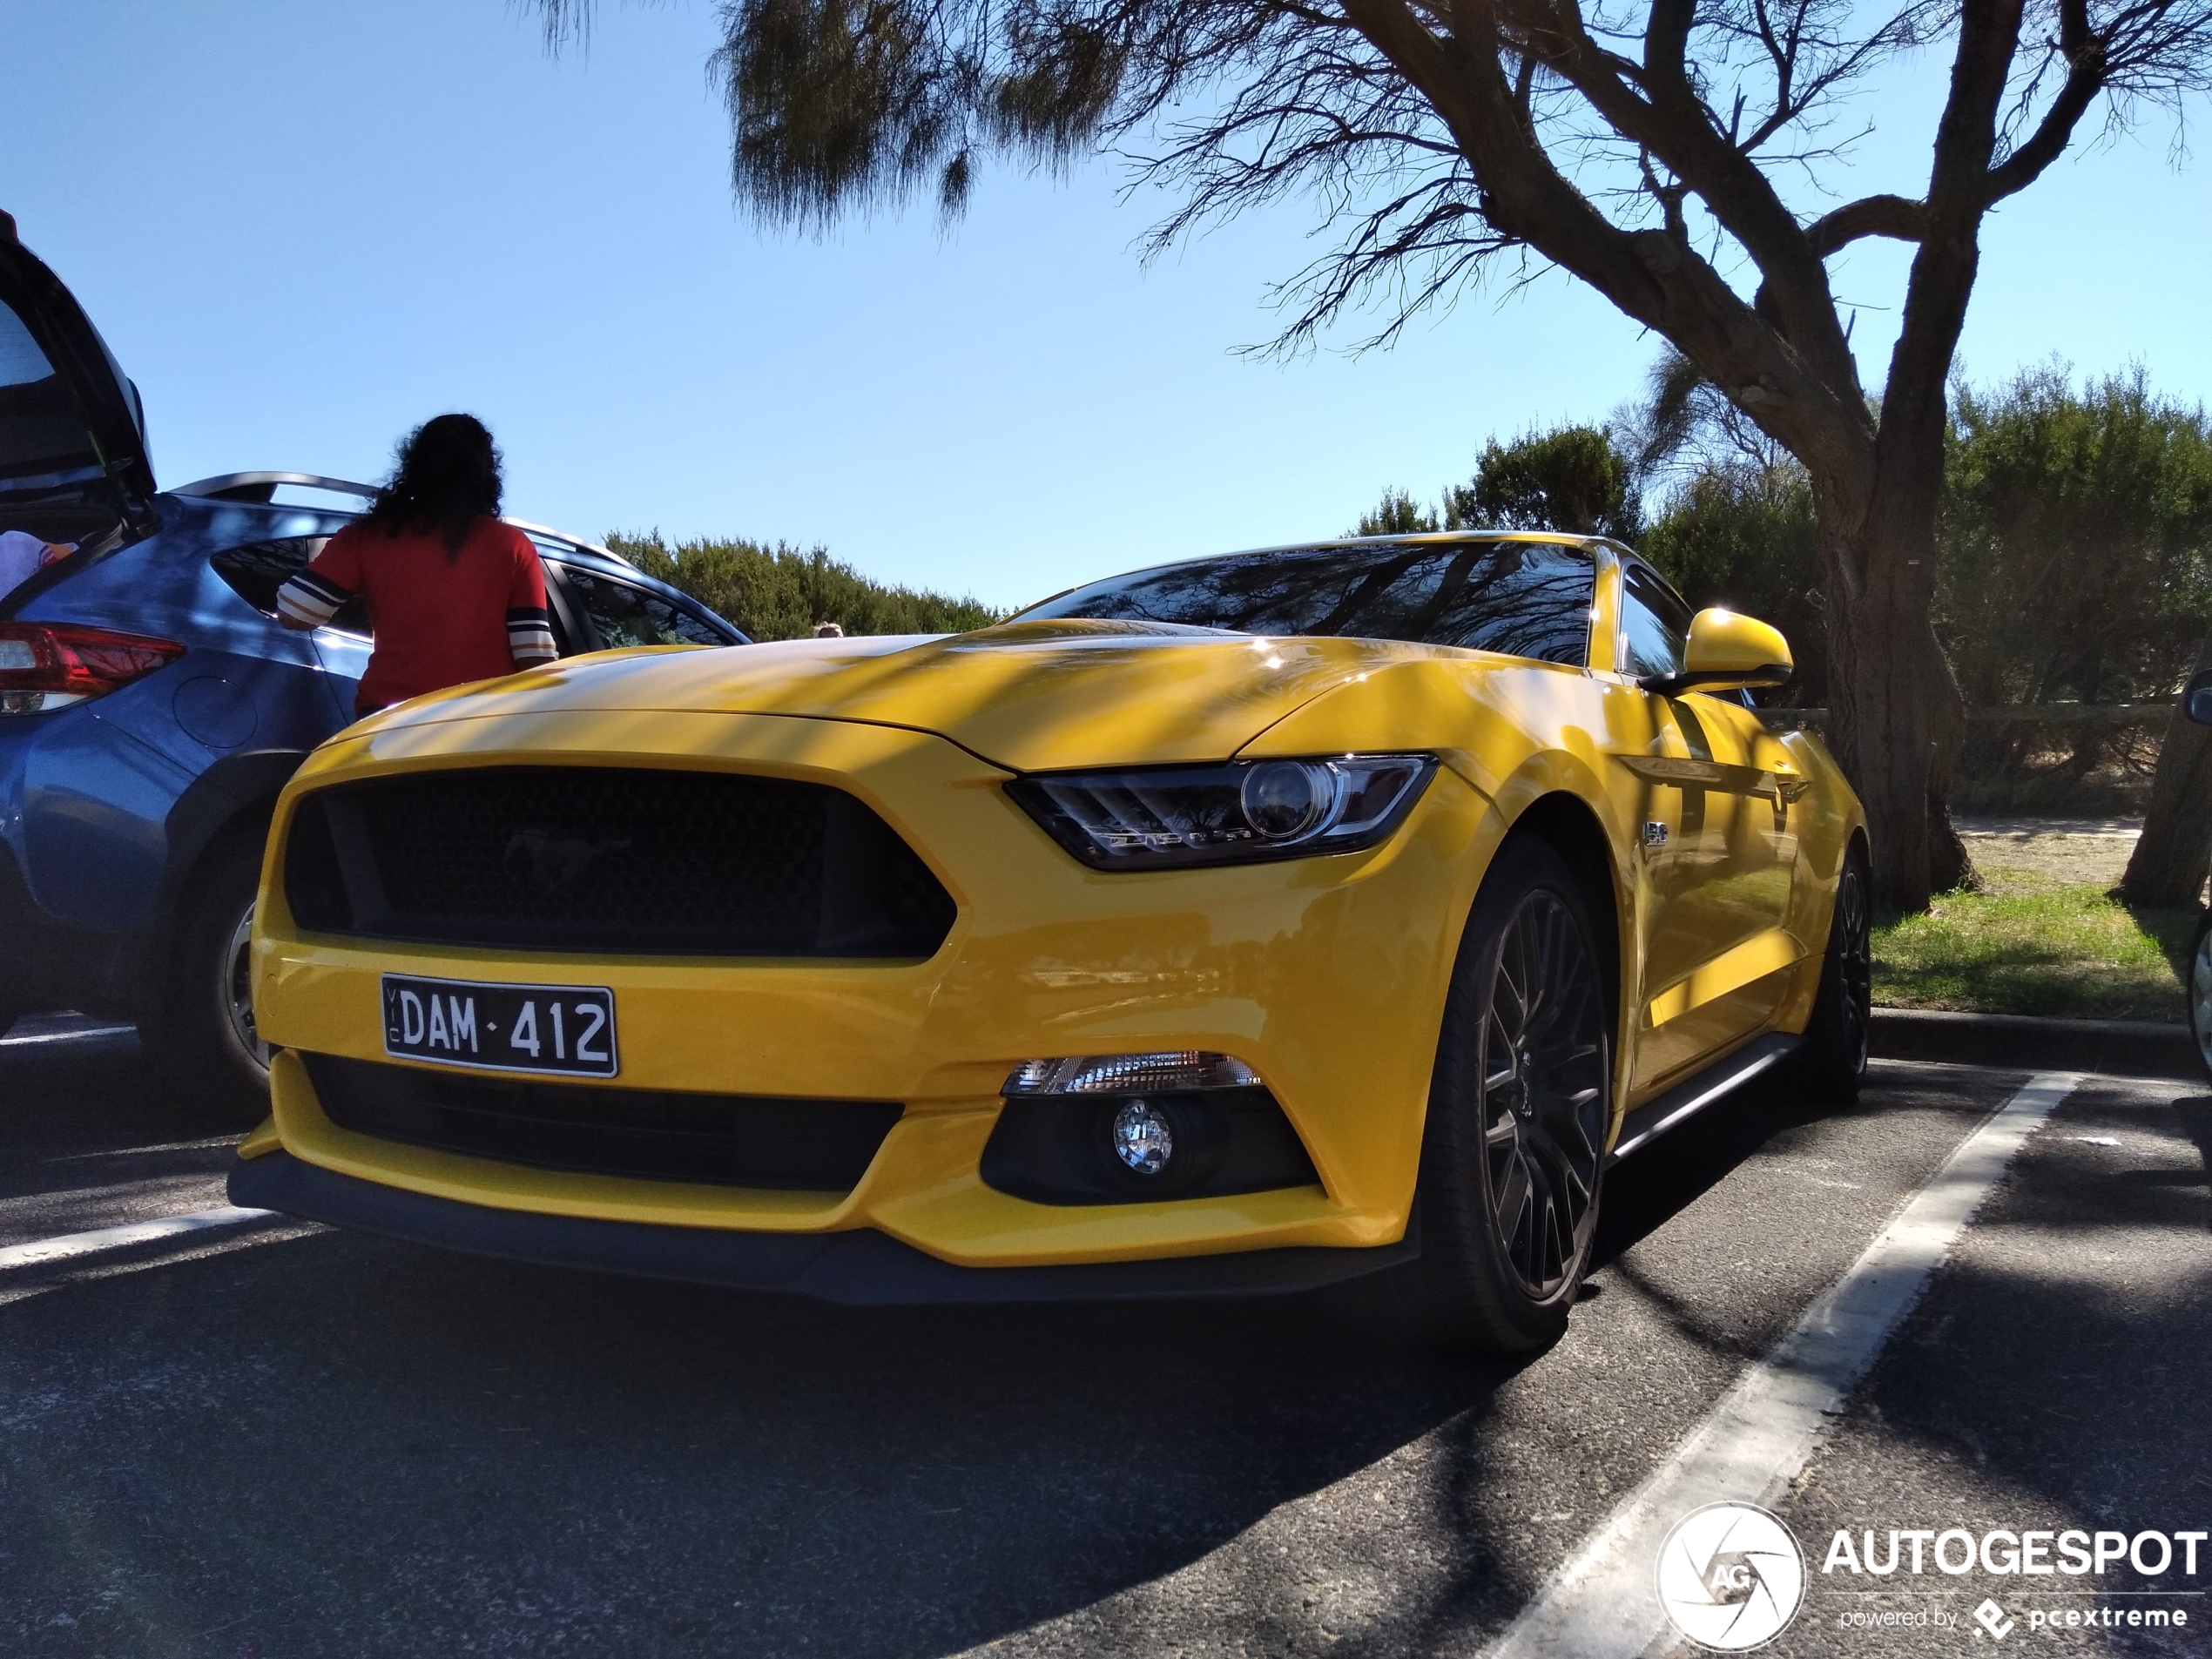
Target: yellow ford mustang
(1242, 924)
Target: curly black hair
(447, 476)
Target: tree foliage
(2076, 540)
(1746, 537)
(1568, 478)
(1398, 514)
(781, 592)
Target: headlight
(1236, 812)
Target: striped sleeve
(529, 636)
(530, 633)
(310, 599)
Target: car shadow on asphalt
(416, 1432)
(399, 1443)
(2195, 1117)
(96, 1091)
(1644, 1192)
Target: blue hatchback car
(150, 705)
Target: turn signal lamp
(1132, 1074)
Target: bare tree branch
(1895, 216)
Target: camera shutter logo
(1730, 1577)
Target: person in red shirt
(454, 595)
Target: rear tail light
(47, 666)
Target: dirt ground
(2066, 851)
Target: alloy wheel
(1544, 1093)
(237, 989)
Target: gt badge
(1654, 835)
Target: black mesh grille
(721, 1140)
(607, 858)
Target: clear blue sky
(305, 227)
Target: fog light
(1143, 1139)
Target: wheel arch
(236, 796)
(1566, 823)
(237, 789)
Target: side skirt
(1655, 1117)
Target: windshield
(1522, 599)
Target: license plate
(565, 1028)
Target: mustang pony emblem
(552, 859)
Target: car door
(1719, 849)
(74, 470)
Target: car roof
(259, 487)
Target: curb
(2020, 1043)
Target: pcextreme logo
(1730, 1577)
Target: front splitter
(858, 1268)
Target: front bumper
(859, 1269)
(1326, 976)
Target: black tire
(2200, 991)
(204, 1044)
(1833, 1059)
(1513, 1155)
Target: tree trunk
(1896, 718)
(2169, 864)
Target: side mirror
(2197, 698)
(1726, 651)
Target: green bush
(2077, 540)
(780, 592)
(1571, 478)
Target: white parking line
(203, 1145)
(79, 1034)
(1604, 1602)
(40, 1251)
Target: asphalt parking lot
(274, 1441)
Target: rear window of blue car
(257, 570)
(42, 439)
(1523, 598)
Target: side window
(257, 570)
(625, 615)
(1655, 625)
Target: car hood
(1028, 696)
